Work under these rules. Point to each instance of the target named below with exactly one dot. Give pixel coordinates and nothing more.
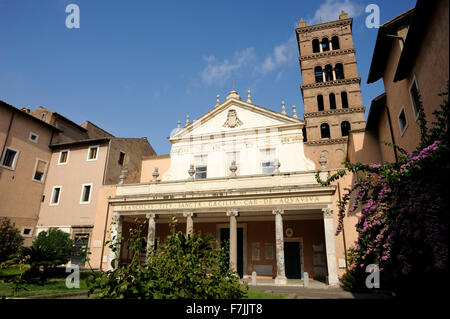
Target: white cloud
(330, 10)
(221, 71)
(282, 54)
(245, 62)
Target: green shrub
(60, 247)
(10, 239)
(182, 267)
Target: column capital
(188, 214)
(150, 215)
(232, 212)
(327, 212)
(278, 211)
(115, 217)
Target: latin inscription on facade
(222, 203)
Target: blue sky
(137, 67)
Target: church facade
(239, 172)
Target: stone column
(323, 76)
(189, 222)
(233, 213)
(334, 75)
(329, 246)
(280, 279)
(116, 233)
(151, 232)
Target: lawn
(52, 286)
(58, 285)
(260, 294)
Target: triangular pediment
(235, 115)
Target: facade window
(339, 70)
(415, 98)
(201, 167)
(9, 158)
(345, 128)
(27, 232)
(335, 42)
(402, 120)
(56, 194)
(43, 116)
(328, 72)
(316, 45)
(268, 161)
(39, 170)
(121, 158)
(332, 98)
(344, 100)
(33, 137)
(63, 157)
(318, 74)
(320, 105)
(325, 130)
(92, 153)
(86, 194)
(325, 44)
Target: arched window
(344, 100)
(328, 72)
(318, 74)
(339, 70)
(325, 130)
(335, 42)
(345, 128)
(325, 44)
(316, 45)
(332, 101)
(320, 105)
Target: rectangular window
(201, 167)
(27, 232)
(39, 170)
(255, 251)
(415, 98)
(33, 137)
(56, 193)
(402, 121)
(121, 158)
(268, 161)
(9, 158)
(268, 251)
(92, 153)
(86, 194)
(63, 157)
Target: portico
(258, 221)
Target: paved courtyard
(316, 290)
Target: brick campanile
(331, 88)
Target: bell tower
(330, 89)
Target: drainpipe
(392, 133)
(343, 230)
(104, 235)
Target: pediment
(235, 115)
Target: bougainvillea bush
(404, 214)
(10, 239)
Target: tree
(10, 239)
(184, 266)
(405, 214)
